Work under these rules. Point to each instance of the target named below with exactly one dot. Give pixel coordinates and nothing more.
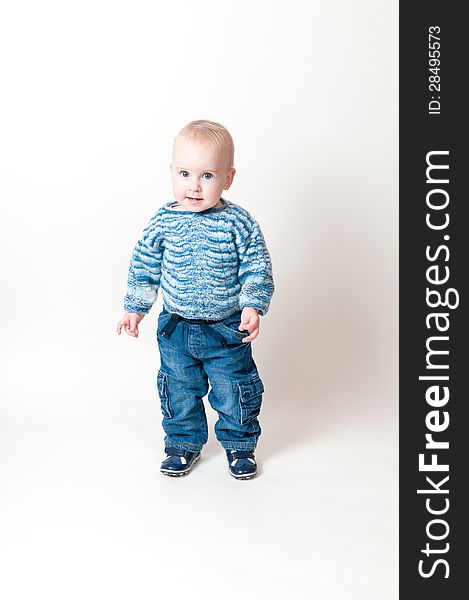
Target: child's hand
(130, 323)
(250, 321)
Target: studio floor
(85, 513)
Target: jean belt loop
(170, 326)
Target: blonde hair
(215, 134)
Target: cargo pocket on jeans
(250, 396)
(162, 384)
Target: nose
(195, 185)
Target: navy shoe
(241, 464)
(178, 462)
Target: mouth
(194, 200)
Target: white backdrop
(93, 94)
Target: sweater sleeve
(145, 269)
(255, 272)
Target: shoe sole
(251, 476)
(179, 473)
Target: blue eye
(184, 173)
(207, 175)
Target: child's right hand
(130, 323)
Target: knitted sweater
(208, 264)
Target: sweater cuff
(135, 305)
(260, 309)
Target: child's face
(199, 174)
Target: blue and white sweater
(209, 264)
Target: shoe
(178, 462)
(241, 464)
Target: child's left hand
(250, 321)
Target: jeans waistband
(195, 321)
(175, 318)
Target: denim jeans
(193, 355)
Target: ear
(229, 178)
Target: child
(210, 260)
